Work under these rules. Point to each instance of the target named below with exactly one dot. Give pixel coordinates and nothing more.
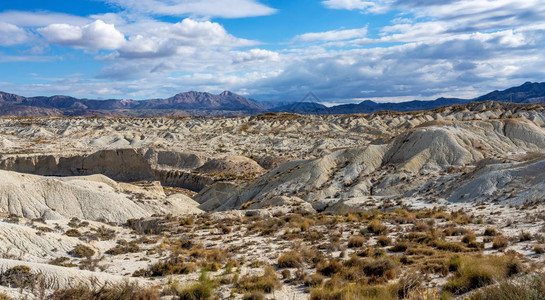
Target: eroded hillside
(280, 206)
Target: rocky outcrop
(119, 164)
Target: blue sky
(341, 50)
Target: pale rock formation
(95, 197)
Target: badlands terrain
(437, 204)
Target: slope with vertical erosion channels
(119, 164)
(88, 197)
(440, 149)
(512, 183)
(56, 277)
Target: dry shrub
(266, 283)
(124, 248)
(469, 238)
(18, 276)
(82, 251)
(400, 246)
(120, 291)
(4, 296)
(203, 289)
(254, 295)
(73, 233)
(328, 268)
(316, 280)
(104, 233)
(377, 227)
(286, 274)
(409, 285)
(334, 290)
(529, 288)
(174, 265)
(356, 241)
(383, 241)
(449, 246)
(290, 259)
(380, 270)
(525, 236)
(500, 242)
(472, 272)
(61, 261)
(490, 231)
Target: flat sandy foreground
(442, 204)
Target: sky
(341, 50)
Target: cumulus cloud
(180, 39)
(458, 48)
(332, 35)
(11, 35)
(209, 8)
(96, 35)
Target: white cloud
(11, 35)
(459, 65)
(40, 18)
(348, 4)
(180, 39)
(209, 8)
(433, 48)
(96, 35)
(333, 35)
(255, 55)
(379, 6)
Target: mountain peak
(227, 93)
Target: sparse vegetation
(527, 288)
(377, 227)
(121, 291)
(356, 241)
(82, 251)
(203, 289)
(500, 242)
(265, 283)
(18, 277)
(290, 259)
(472, 272)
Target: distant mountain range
(527, 93)
(228, 104)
